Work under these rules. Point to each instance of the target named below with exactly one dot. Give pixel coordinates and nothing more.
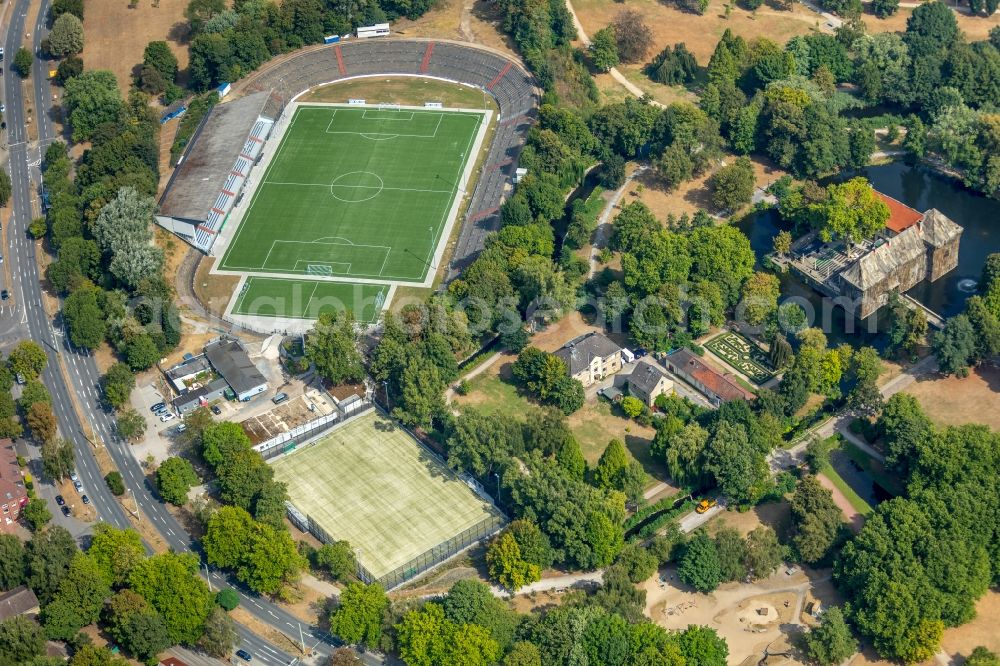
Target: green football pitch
(308, 299)
(370, 483)
(355, 192)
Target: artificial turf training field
(370, 483)
(308, 299)
(361, 192)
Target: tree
(673, 66)
(91, 655)
(817, 521)
(523, 653)
(66, 37)
(955, 345)
(740, 470)
(115, 483)
(701, 646)
(982, 657)
(732, 185)
(220, 441)
(633, 36)
(221, 636)
(118, 384)
(604, 49)
(760, 298)
(91, 100)
(617, 471)
(227, 599)
(69, 68)
(158, 55)
(79, 599)
(732, 554)
(169, 582)
(358, 617)
(22, 62)
(131, 424)
(853, 212)
(831, 642)
(674, 166)
(36, 514)
(332, 347)
(506, 564)
(42, 422)
(34, 392)
(337, 558)
(5, 187)
(884, 8)
(60, 7)
(764, 552)
(116, 552)
(27, 359)
(174, 478)
(58, 458)
(11, 562)
(699, 566)
(47, 558)
(472, 602)
(20, 639)
(199, 12)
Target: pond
(921, 188)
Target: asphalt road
(28, 319)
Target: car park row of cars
(160, 409)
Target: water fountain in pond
(967, 286)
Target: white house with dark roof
(647, 382)
(591, 357)
(231, 360)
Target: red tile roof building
(13, 494)
(716, 386)
(901, 216)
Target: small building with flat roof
(200, 397)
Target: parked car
(73, 476)
(65, 511)
(4, 295)
(244, 655)
(169, 416)
(280, 398)
(59, 500)
(158, 407)
(216, 410)
(85, 499)
(78, 486)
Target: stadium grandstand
(210, 176)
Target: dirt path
(855, 519)
(603, 231)
(449, 395)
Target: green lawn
(308, 299)
(860, 505)
(356, 192)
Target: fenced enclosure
(369, 482)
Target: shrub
(115, 483)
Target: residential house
(13, 493)
(647, 382)
(591, 357)
(18, 601)
(718, 387)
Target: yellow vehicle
(705, 505)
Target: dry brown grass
(117, 35)
(700, 33)
(475, 21)
(213, 291)
(954, 401)
(691, 195)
